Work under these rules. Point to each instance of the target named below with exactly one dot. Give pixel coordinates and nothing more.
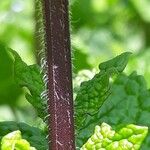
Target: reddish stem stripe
(61, 131)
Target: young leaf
(105, 138)
(14, 141)
(35, 136)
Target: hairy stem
(61, 122)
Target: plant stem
(61, 129)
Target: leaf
(30, 77)
(132, 104)
(105, 138)
(94, 92)
(14, 141)
(35, 136)
(9, 90)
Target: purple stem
(61, 121)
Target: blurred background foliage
(100, 29)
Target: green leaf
(14, 141)
(130, 100)
(94, 92)
(29, 76)
(35, 136)
(105, 138)
(9, 90)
